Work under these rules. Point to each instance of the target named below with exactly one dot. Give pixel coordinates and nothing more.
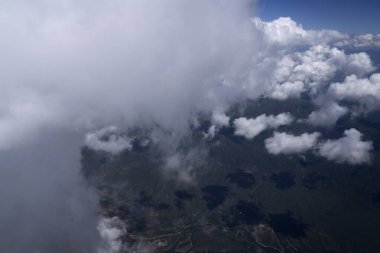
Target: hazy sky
(351, 16)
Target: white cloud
(297, 71)
(125, 61)
(77, 65)
(283, 143)
(111, 231)
(361, 41)
(218, 121)
(311, 70)
(359, 64)
(354, 88)
(348, 149)
(283, 31)
(181, 165)
(286, 32)
(249, 128)
(108, 139)
(327, 115)
(287, 90)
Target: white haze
(69, 67)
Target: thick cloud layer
(71, 67)
(86, 65)
(46, 207)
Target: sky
(353, 16)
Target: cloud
(182, 164)
(46, 205)
(359, 64)
(108, 139)
(250, 128)
(285, 32)
(354, 88)
(312, 70)
(218, 121)
(70, 67)
(327, 115)
(166, 71)
(111, 231)
(361, 41)
(288, 90)
(348, 149)
(283, 143)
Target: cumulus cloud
(286, 32)
(288, 90)
(312, 70)
(361, 41)
(359, 64)
(348, 149)
(218, 121)
(111, 231)
(354, 88)
(298, 71)
(283, 143)
(108, 139)
(327, 115)
(250, 128)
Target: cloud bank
(69, 68)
